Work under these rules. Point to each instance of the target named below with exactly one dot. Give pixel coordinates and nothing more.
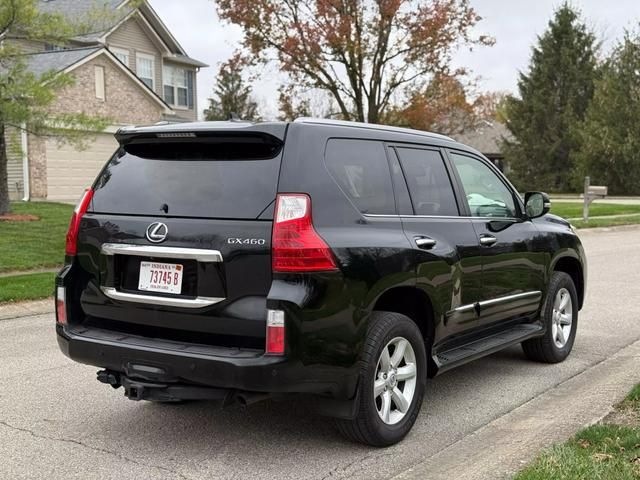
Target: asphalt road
(56, 421)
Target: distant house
(133, 72)
(487, 139)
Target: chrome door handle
(488, 240)
(425, 242)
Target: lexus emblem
(157, 232)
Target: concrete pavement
(56, 421)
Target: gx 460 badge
(247, 241)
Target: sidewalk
(501, 448)
(24, 309)
(14, 273)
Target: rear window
(208, 178)
(429, 185)
(361, 170)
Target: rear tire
(391, 384)
(560, 317)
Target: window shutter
(190, 100)
(99, 80)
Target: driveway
(56, 421)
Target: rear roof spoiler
(192, 130)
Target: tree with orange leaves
(444, 106)
(364, 53)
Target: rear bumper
(229, 368)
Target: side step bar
(485, 346)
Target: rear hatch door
(177, 240)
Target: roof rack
(371, 126)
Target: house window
(178, 86)
(99, 74)
(121, 54)
(145, 68)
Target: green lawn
(38, 244)
(606, 451)
(26, 287)
(574, 209)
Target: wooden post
(585, 210)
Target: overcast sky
(513, 23)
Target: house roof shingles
(487, 138)
(73, 8)
(57, 61)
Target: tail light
(72, 234)
(295, 245)
(275, 332)
(61, 306)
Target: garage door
(70, 171)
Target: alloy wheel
(561, 318)
(394, 383)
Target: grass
(37, 244)
(606, 451)
(574, 209)
(26, 287)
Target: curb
(504, 446)
(613, 228)
(25, 309)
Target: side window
(361, 170)
(486, 194)
(429, 184)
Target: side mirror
(536, 204)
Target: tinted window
(209, 179)
(486, 194)
(428, 182)
(361, 170)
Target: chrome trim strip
(378, 215)
(199, 254)
(465, 308)
(198, 302)
(509, 298)
(495, 301)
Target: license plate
(160, 277)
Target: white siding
(14, 166)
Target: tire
(387, 331)
(549, 348)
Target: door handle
(487, 240)
(425, 243)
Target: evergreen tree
(554, 96)
(231, 96)
(610, 135)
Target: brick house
(133, 72)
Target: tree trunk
(5, 206)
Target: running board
(486, 346)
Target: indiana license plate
(160, 277)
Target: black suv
(239, 261)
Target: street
(57, 421)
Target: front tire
(392, 381)
(560, 316)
